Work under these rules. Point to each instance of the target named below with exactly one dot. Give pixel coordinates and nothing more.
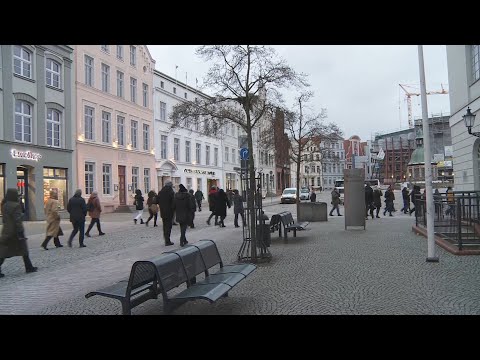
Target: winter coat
(405, 195)
(335, 197)
(368, 195)
(97, 209)
(199, 195)
(237, 204)
(389, 196)
(53, 219)
(221, 203)
(193, 203)
(183, 207)
(152, 204)
(313, 197)
(139, 202)
(166, 202)
(377, 198)
(77, 209)
(211, 200)
(12, 241)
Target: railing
(457, 220)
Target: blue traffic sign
(244, 153)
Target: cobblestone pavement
(325, 270)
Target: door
(22, 187)
(121, 185)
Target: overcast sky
(358, 84)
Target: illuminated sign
(28, 155)
(203, 172)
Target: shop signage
(202, 172)
(28, 155)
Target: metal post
(428, 162)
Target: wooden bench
(289, 224)
(141, 286)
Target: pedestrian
(389, 198)
(415, 198)
(335, 202)
(377, 200)
(173, 218)
(406, 200)
(199, 197)
(221, 203)
(212, 194)
(451, 202)
(238, 208)
(369, 201)
(12, 239)
(313, 196)
(152, 207)
(94, 209)
(53, 221)
(78, 210)
(193, 208)
(437, 199)
(138, 202)
(165, 200)
(183, 212)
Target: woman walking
(152, 207)
(183, 212)
(12, 240)
(138, 206)
(53, 221)
(94, 210)
(221, 203)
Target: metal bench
(276, 223)
(289, 224)
(140, 287)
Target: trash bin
(266, 230)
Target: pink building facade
(114, 109)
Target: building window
(134, 133)
(476, 62)
(133, 89)
(53, 73)
(146, 180)
(187, 151)
(89, 122)
(163, 111)
(174, 90)
(189, 183)
(88, 70)
(106, 182)
(120, 52)
(146, 137)
(121, 130)
(233, 156)
(227, 151)
(105, 48)
(22, 61)
(198, 153)
(105, 78)
(106, 127)
(207, 155)
(185, 95)
(133, 55)
(134, 178)
(89, 177)
(53, 127)
(163, 146)
(162, 85)
(176, 149)
(55, 179)
(145, 95)
(120, 84)
(23, 121)
(215, 156)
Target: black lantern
(469, 120)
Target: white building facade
(464, 89)
(333, 162)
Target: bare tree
(245, 81)
(307, 130)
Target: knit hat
(182, 188)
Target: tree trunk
(298, 180)
(251, 193)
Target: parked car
(289, 195)
(304, 194)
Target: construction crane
(409, 99)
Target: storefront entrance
(121, 185)
(210, 183)
(22, 188)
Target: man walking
(212, 195)
(199, 197)
(377, 200)
(166, 204)
(368, 201)
(406, 200)
(389, 197)
(335, 201)
(183, 212)
(78, 210)
(238, 208)
(94, 209)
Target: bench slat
(210, 292)
(245, 269)
(231, 279)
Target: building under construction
(398, 147)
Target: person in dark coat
(212, 195)
(368, 201)
(152, 207)
(165, 202)
(78, 210)
(138, 202)
(335, 202)
(313, 197)
(94, 209)
(414, 198)
(406, 200)
(238, 208)
(183, 211)
(193, 207)
(199, 197)
(12, 239)
(377, 200)
(389, 197)
(221, 203)
(53, 221)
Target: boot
(135, 220)
(31, 270)
(56, 241)
(141, 221)
(45, 243)
(168, 243)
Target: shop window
(55, 179)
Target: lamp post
(469, 120)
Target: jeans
(77, 226)
(94, 220)
(183, 230)
(199, 203)
(335, 206)
(235, 221)
(167, 229)
(154, 216)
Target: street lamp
(469, 119)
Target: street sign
(244, 153)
